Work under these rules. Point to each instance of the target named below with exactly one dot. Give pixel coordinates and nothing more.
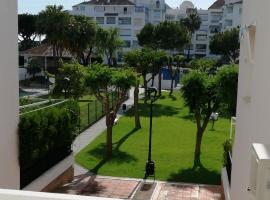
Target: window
(139, 9)
(124, 21)
(111, 20)
(138, 22)
(201, 48)
(125, 10)
(127, 44)
(157, 4)
(125, 32)
(100, 20)
(201, 37)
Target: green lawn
(173, 146)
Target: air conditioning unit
(260, 171)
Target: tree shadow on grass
(118, 156)
(197, 174)
(159, 110)
(172, 97)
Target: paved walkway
(137, 189)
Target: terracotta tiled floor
(101, 187)
(188, 192)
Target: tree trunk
(172, 81)
(153, 80)
(136, 107)
(109, 124)
(197, 153)
(159, 81)
(145, 89)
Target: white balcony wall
(9, 89)
(253, 109)
(23, 195)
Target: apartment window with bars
(124, 21)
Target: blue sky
(34, 6)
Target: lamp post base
(149, 169)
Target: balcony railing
(229, 166)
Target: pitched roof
(107, 2)
(217, 4)
(44, 50)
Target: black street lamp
(150, 164)
(67, 81)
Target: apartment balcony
(26, 195)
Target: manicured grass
(173, 146)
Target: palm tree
(81, 37)
(53, 22)
(109, 42)
(192, 23)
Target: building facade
(130, 16)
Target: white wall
(253, 111)
(9, 105)
(22, 195)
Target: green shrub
(47, 131)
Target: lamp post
(66, 80)
(150, 164)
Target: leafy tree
(202, 64)
(226, 43)
(27, 31)
(81, 36)
(167, 36)
(192, 23)
(203, 94)
(109, 42)
(53, 22)
(71, 79)
(170, 36)
(34, 66)
(227, 77)
(102, 81)
(146, 36)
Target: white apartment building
(220, 16)
(128, 16)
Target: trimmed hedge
(46, 137)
